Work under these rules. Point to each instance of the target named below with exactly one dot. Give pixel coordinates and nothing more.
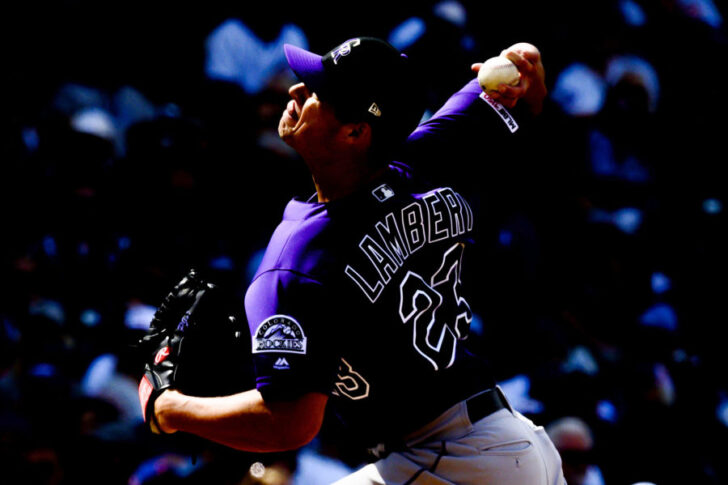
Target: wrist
(163, 406)
(535, 99)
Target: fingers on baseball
(507, 102)
(525, 67)
(510, 94)
(503, 97)
(529, 51)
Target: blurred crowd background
(139, 139)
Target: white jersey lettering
(439, 215)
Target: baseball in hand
(497, 70)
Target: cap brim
(308, 66)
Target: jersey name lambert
(438, 215)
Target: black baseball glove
(198, 343)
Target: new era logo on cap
(374, 109)
(364, 79)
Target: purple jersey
(362, 298)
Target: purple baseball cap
(364, 79)
(309, 67)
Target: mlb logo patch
(383, 192)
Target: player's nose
(299, 92)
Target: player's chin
(286, 126)
(286, 133)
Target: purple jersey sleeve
(471, 106)
(288, 309)
(287, 315)
(470, 131)
(455, 110)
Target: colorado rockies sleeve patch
(279, 333)
(502, 112)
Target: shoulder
(301, 241)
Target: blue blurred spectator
(574, 439)
(236, 54)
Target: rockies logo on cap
(365, 79)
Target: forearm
(243, 421)
(464, 137)
(463, 116)
(452, 114)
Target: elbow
(294, 435)
(279, 436)
(300, 425)
(300, 438)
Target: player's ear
(358, 133)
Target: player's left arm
(286, 409)
(244, 421)
(192, 317)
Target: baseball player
(359, 302)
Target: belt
(478, 406)
(485, 403)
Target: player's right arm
(463, 110)
(474, 127)
(532, 86)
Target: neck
(340, 179)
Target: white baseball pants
(504, 448)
